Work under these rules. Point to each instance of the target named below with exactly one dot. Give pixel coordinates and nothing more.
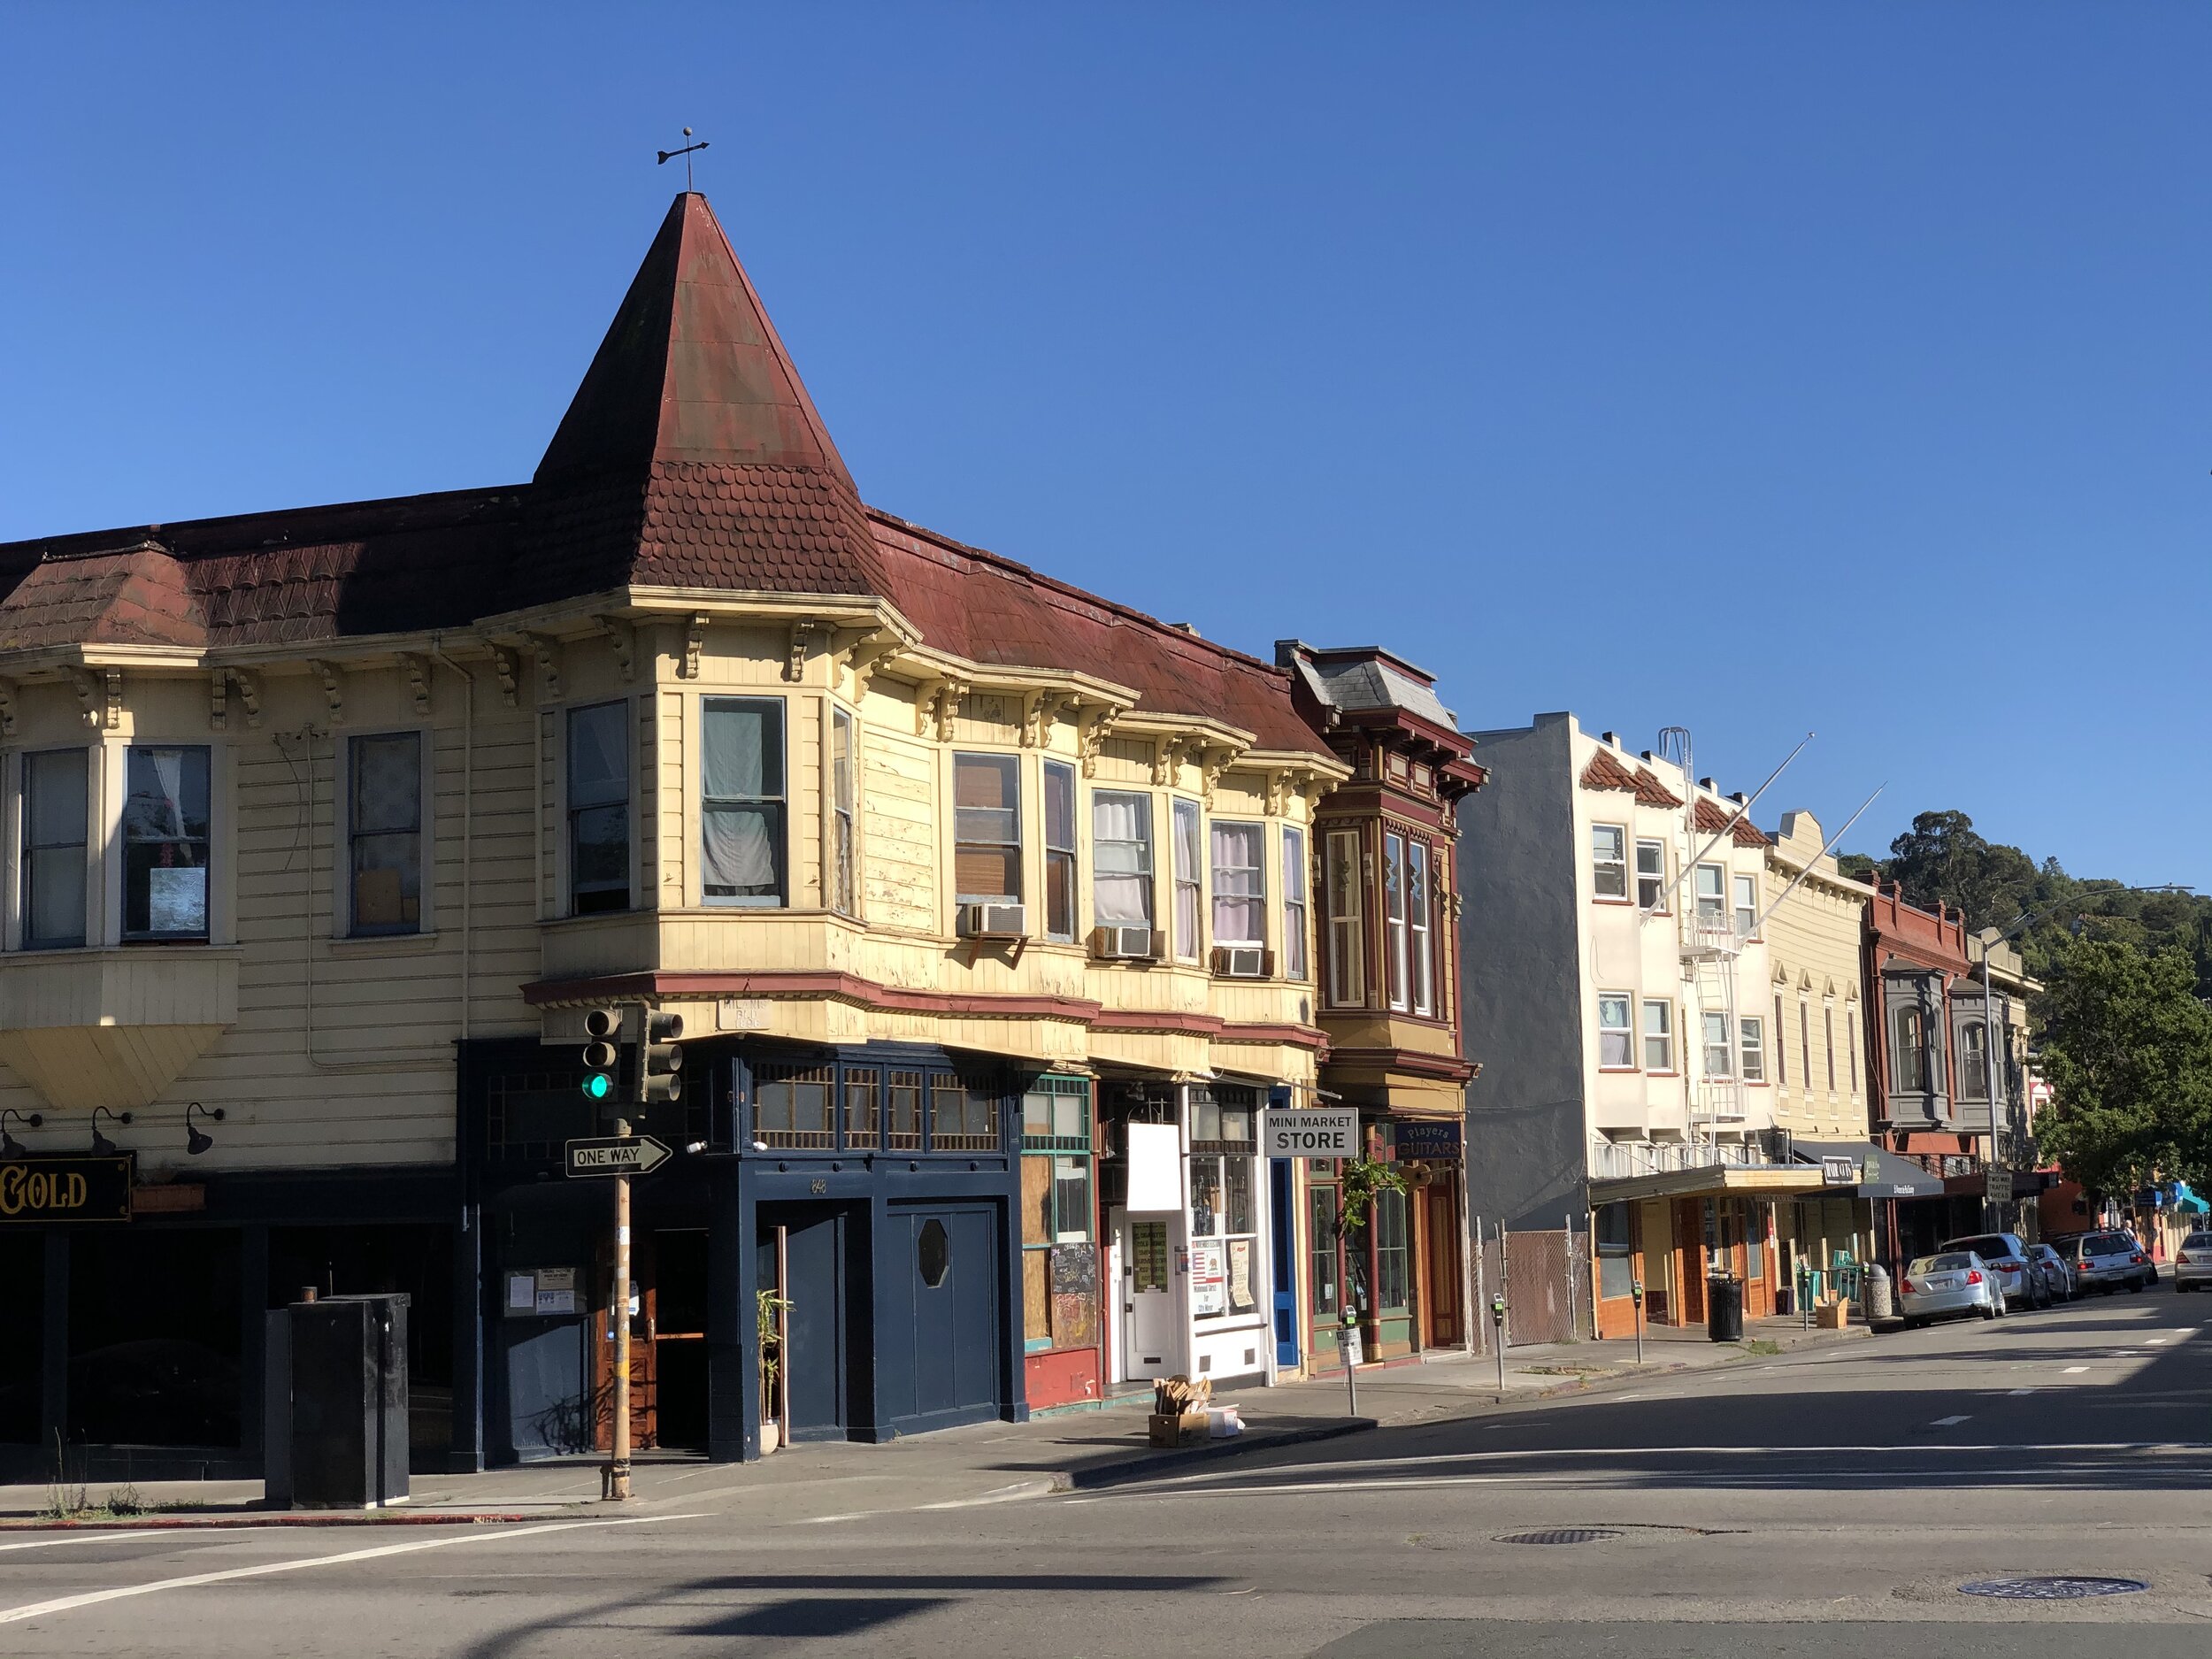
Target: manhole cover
(1558, 1535)
(2052, 1588)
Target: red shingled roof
(1606, 772)
(690, 456)
(1712, 819)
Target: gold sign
(41, 1190)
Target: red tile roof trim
(1712, 819)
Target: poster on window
(1240, 1297)
(1209, 1277)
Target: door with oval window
(955, 1275)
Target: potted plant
(768, 1311)
(1358, 1180)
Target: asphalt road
(1819, 1505)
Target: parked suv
(2106, 1261)
(2007, 1256)
(2192, 1262)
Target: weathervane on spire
(667, 156)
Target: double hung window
(986, 830)
(599, 809)
(164, 843)
(1187, 892)
(1752, 1032)
(1658, 1035)
(1294, 921)
(1782, 1047)
(1347, 938)
(1911, 1050)
(1418, 903)
(1828, 1036)
(1712, 909)
(1720, 1050)
(1121, 855)
(1059, 851)
(1974, 1062)
(384, 825)
(1651, 873)
(1616, 1037)
(1608, 861)
(844, 894)
(54, 834)
(1746, 895)
(1394, 915)
(1240, 880)
(741, 804)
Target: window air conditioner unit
(1122, 944)
(1243, 961)
(993, 921)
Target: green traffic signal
(598, 1085)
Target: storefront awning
(1709, 1180)
(1881, 1173)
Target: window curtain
(1121, 831)
(740, 743)
(1240, 905)
(742, 817)
(740, 851)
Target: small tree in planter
(1358, 1181)
(768, 1311)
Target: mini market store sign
(41, 1191)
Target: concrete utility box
(336, 1428)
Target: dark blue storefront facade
(874, 1188)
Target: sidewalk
(986, 1463)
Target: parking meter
(1636, 1295)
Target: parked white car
(1948, 1284)
(2005, 1255)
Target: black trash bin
(1724, 1309)
(336, 1423)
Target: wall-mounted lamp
(10, 1146)
(101, 1147)
(195, 1141)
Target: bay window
(1187, 892)
(1121, 859)
(986, 854)
(55, 847)
(1394, 916)
(1347, 938)
(742, 802)
(1294, 919)
(166, 843)
(599, 809)
(844, 894)
(1417, 907)
(1239, 909)
(384, 830)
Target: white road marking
(1949, 1423)
(2076, 1371)
(92, 1598)
(2153, 1341)
(2017, 1392)
(98, 1535)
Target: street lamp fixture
(10, 1146)
(101, 1147)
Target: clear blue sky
(1761, 369)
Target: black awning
(1881, 1173)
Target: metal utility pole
(615, 1481)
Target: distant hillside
(1941, 859)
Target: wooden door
(1441, 1288)
(1689, 1274)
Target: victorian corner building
(997, 915)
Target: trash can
(1878, 1306)
(1723, 1308)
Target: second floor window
(384, 825)
(1616, 1040)
(1720, 1051)
(988, 829)
(1294, 921)
(1752, 1031)
(1189, 893)
(1782, 1046)
(1418, 904)
(1712, 913)
(166, 843)
(1747, 894)
(741, 804)
(1974, 1062)
(1239, 884)
(844, 896)
(1912, 1051)
(1658, 1036)
(1608, 861)
(1828, 1030)
(1347, 943)
(1395, 914)
(598, 809)
(1651, 873)
(55, 824)
(1059, 850)
(1121, 853)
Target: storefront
(1673, 1230)
(1062, 1328)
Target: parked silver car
(1950, 1283)
(2058, 1276)
(2005, 1255)
(2192, 1262)
(2105, 1261)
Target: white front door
(1148, 1297)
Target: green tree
(1943, 860)
(2127, 1047)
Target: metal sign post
(614, 1486)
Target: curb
(336, 1518)
(1149, 1463)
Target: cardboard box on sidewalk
(1832, 1316)
(1177, 1429)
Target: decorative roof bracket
(334, 686)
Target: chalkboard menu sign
(1074, 1270)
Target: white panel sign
(744, 1013)
(1331, 1132)
(1155, 1167)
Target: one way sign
(616, 1155)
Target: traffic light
(602, 1055)
(661, 1060)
